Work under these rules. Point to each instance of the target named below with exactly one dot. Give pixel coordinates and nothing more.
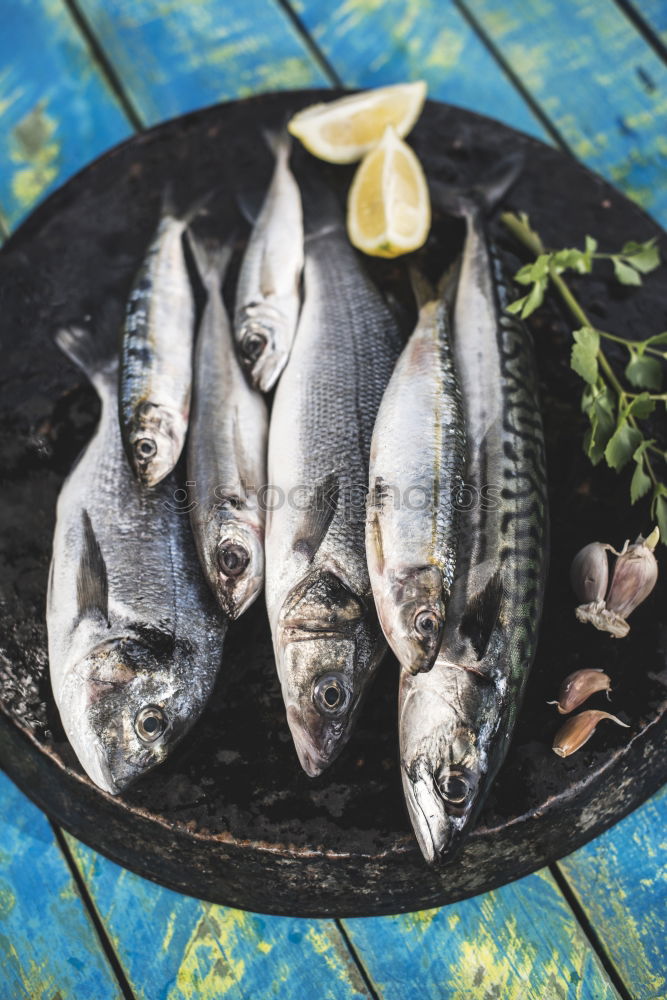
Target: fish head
(155, 442)
(412, 612)
(123, 710)
(239, 565)
(326, 653)
(443, 757)
(264, 343)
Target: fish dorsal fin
(317, 517)
(92, 588)
(481, 615)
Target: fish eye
(330, 694)
(454, 788)
(427, 624)
(233, 558)
(150, 723)
(253, 344)
(145, 448)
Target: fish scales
(317, 583)
(151, 635)
(453, 745)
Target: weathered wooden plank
(176, 948)
(597, 80)
(56, 110)
(48, 944)
(520, 942)
(173, 56)
(654, 15)
(374, 42)
(620, 880)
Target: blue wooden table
(77, 76)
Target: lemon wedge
(344, 130)
(388, 208)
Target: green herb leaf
(644, 257)
(591, 244)
(643, 371)
(517, 305)
(642, 406)
(641, 482)
(626, 274)
(657, 338)
(659, 511)
(622, 445)
(572, 259)
(584, 358)
(597, 403)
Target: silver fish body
(452, 749)
(226, 455)
(326, 637)
(156, 356)
(267, 294)
(416, 474)
(135, 637)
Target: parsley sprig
(615, 409)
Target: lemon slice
(388, 208)
(345, 130)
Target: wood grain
(520, 942)
(48, 944)
(174, 56)
(598, 81)
(178, 948)
(375, 42)
(620, 881)
(57, 111)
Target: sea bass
(135, 636)
(456, 722)
(226, 452)
(326, 637)
(156, 355)
(416, 474)
(267, 294)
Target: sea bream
(416, 474)
(156, 354)
(135, 636)
(326, 636)
(268, 289)
(455, 723)
(226, 452)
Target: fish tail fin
(449, 282)
(97, 363)
(279, 142)
(211, 257)
(483, 196)
(196, 208)
(322, 212)
(422, 289)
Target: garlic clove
(579, 729)
(589, 573)
(578, 688)
(634, 577)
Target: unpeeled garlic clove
(578, 688)
(589, 573)
(634, 577)
(579, 729)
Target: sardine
(416, 474)
(267, 294)
(226, 452)
(453, 745)
(156, 355)
(135, 636)
(326, 637)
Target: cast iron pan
(231, 817)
